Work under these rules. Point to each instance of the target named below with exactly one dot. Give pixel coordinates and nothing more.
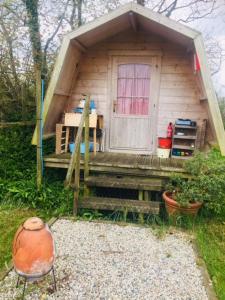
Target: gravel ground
(108, 261)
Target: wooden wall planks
(179, 92)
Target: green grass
(10, 219)
(211, 243)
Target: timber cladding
(179, 92)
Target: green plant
(206, 183)
(17, 175)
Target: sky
(214, 26)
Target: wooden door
(133, 104)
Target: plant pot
(173, 207)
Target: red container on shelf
(165, 143)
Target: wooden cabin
(143, 71)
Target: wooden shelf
(185, 142)
(185, 127)
(185, 137)
(184, 147)
(181, 157)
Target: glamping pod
(143, 71)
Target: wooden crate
(73, 119)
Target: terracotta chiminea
(33, 250)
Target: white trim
(53, 82)
(210, 93)
(155, 62)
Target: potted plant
(205, 186)
(182, 196)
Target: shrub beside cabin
(140, 69)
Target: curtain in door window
(133, 89)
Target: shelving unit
(184, 141)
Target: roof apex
(140, 10)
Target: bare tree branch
(49, 40)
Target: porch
(146, 175)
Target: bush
(206, 183)
(18, 174)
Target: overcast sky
(214, 26)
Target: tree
(33, 25)
(141, 2)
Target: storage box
(163, 153)
(72, 147)
(165, 143)
(73, 119)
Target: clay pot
(33, 249)
(173, 207)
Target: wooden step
(147, 207)
(135, 183)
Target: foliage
(18, 175)
(8, 227)
(222, 109)
(210, 237)
(206, 183)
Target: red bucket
(165, 143)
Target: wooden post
(95, 139)
(67, 138)
(86, 139)
(147, 195)
(75, 153)
(125, 214)
(140, 197)
(58, 138)
(39, 127)
(76, 183)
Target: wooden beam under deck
(147, 207)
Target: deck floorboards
(119, 160)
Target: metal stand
(24, 287)
(54, 280)
(26, 278)
(18, 280)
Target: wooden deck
(145, 174)
(129, 164)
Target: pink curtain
(133, 88)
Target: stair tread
(125, 182)
(139, 206)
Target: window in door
(133, 89)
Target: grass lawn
(10, 219)
(211, 243)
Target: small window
(133, 89)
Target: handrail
(75, 157)
(74, 163)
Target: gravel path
(107, 261)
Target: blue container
(183, 122)
(72, 147)
(78, 110)
(82, 147)
(92, 104)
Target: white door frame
(155, 57)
